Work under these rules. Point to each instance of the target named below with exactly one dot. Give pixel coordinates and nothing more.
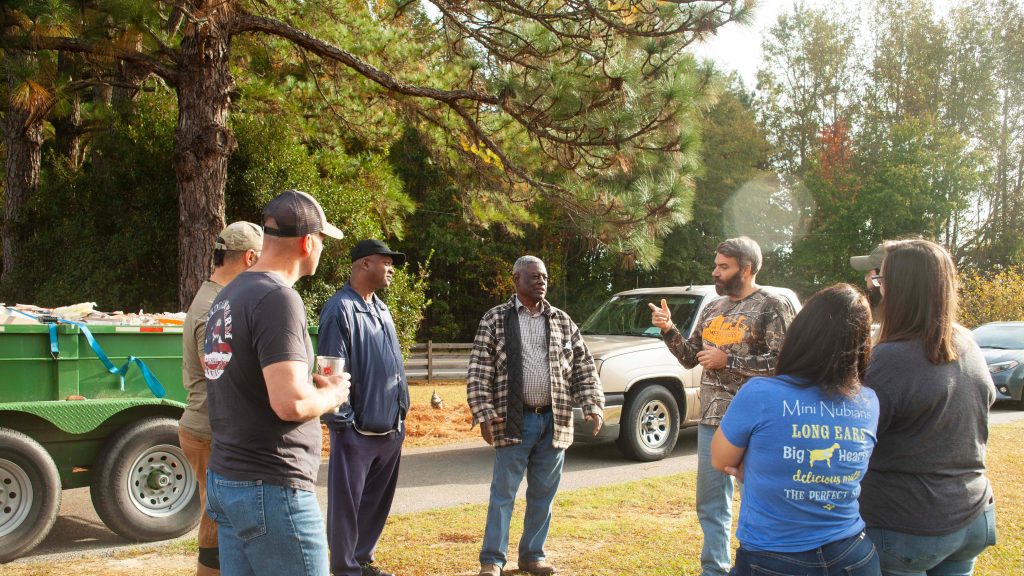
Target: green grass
(650, 527)
(644, 527)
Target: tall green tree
(525, 90)
(810, 79)
(736, 153)
(916, 147)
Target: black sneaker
(370, 570)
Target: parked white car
(649, 395)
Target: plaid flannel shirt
(573, 374)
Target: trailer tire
(31, 494)
(143, 487)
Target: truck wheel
(650, 424)
(31, 494)
(143, 487)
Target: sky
(737, 47)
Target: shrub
(991, 297)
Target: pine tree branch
(75, 45)
(243, 23)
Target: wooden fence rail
(430, 360)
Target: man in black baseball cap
(367, 433)
(365, 248)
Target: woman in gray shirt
(926, 500)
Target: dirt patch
(159, 562)
(429, 426)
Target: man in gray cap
(237, 249)
(265, 404)
(871, 266)
(367, 434)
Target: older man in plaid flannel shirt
(529, 364)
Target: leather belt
(537, 409)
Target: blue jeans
(953, 554)
(265, 529)
(854, 556)
(714, 507)
(542, 464)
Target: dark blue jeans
(361, 481)
(854, 556)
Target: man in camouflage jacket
(738, 336)
(528, 366)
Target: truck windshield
(630, 316)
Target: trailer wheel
(30, 497)
(143, 487)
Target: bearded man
(738, 336)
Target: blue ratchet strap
(154, 385)
(151, 381)
(54, 351)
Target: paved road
(430, 478)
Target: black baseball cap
(365, 248)
(297, 214)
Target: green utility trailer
(70, 419)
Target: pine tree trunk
(67, 128)
(23, 143)
(203, 141)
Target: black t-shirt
(257, 321)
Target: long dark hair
(919, 300)
(829, 341)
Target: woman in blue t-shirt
(801, 441)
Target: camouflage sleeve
(585, 387)
(775, 321)
(480, 378)
(686, 350)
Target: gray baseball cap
(872, 261)
(240, 236)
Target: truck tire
(650, 424)
(143, 487)
(31, 494)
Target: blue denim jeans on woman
(542, 464)
(953, 554)
(266, 530)
(854, 556)
(714, 507)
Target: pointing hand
(661, 317)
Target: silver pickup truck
(649, 395)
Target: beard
(729, 287)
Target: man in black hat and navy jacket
(367, 433)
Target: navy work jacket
(363, 333)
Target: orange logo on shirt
(723, 333)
